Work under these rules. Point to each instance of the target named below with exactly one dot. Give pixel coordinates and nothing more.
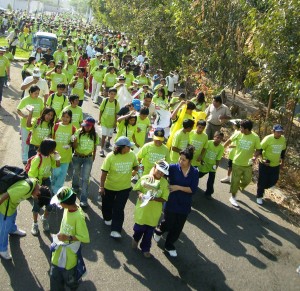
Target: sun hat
(36, 72)
(124, 141)
(162, 166)
(159, 134)
(63, 194)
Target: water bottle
(140, 170)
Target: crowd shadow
(12, 120)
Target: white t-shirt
(42, 84)
(170, 83)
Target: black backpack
(9, 175)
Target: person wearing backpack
(40, 128)
(62, 133)
(85, 142)
(58, 101)
(9, 202)
(79, 83)
(108, 118)
(77, 115)
(40, 166)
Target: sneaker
(232, 200)
(5, 255)
(225, 180)
(135, 178)
(115, 234)
(134, 244)
(35, 229)
(107, 222)
(156, 237)
(19, 232)
(83, 204)
(172, 253)
(107, 145)
(46, 226)
(259, 201)
(147, 255)
(102, 154)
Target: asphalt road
(221, 248)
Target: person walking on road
(4, 71)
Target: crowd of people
(150, 134)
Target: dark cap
(277, 127)
(90, 121)
(159, 134)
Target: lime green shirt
(143, 80)
(70, 72)
(98, 74)
(181, 141)
(43, 69)
(199, 142)
(245, 148)
(40, 130)
(150, 214)
(77, 115)
(94, 62)
(4, 65)
(142, 125)
(129, 79)
(212, 155)
(17, 192)
(150, 153)
(37, 103)
(199, 107)
(78, 89)
(58, 103)
(272, 148)
(59, 56)
(72, 224)
(158, 101)
(129, 130)
(86, 145)
(110, 79)
(108, 116)
(119, 170)
(56, 79)
(233, 144)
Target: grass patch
(20, 53)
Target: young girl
(62, 133)
(40, 129)
(143, 124)
(85, 142)
(127, 127)
(40, 168)
(160, 100)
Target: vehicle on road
(45, 40)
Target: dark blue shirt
(179, 201)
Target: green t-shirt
(77, 115)
(199, 107)
(59, 56)
(62, 136)
(150, 214)
(150, 153)
(78, 89)
(199, 142)
(129, 79)
(110, 79)
(17, 192)
(212, 154)
(272, 148)
(98, 74)
(58, 103)
(143, 80)
(37, 103)
(94, 62)
(40, 130)
(108, 116)
(129, 130)
(4, 64)
(245, 148)
(43, 69)
(158, 101)
(45, 169)
(142, 125)
(86, 144)
(119, 170)
(56, 79)
(181, 141)
(72, 224)
(71, 71)
(233, 144)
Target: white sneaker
(172, 253)
(35, 229)
(115, 234)
(5, 255)
(225, 180)
(156, 237)
(19, 232)
(107, 222)
(135, 178)
(45, 222)
(259, 201)
(233, 201)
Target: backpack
(56, 128)
(28, 165)
(105, 102)
(9, 175)
(52, 97)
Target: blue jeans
(6, 227)
(25, 147)
(59, 176)
(82, 168)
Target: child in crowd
(58, 100)
(77, 114)
(143, 124)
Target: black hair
(45, 196)
(61, 85)
(81, 69)
(92, 133)
(144, 111)
(201, 122)
(162, 90)
(57, 66)
(200, 97)
(110, 68)
(188, 123)
(69, 112)
(182, 95)
(118, 149)
(47, 146)
(188, 152)
(130, 117)
(247, 124)
(218, 98)
(219, 133)
(238, 124)
(149, 95)
(112, 90)
(34, 88)
(190, 105)
(45, 112)
(73, 97)
(71, 200)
